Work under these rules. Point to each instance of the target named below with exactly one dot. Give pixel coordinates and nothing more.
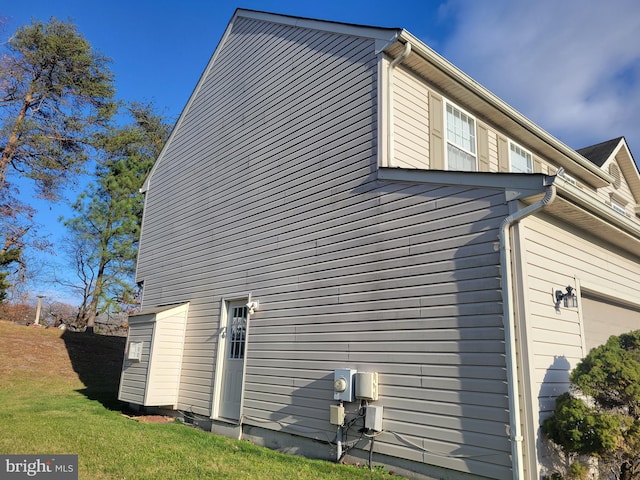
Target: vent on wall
(135, 351)
(614, 171)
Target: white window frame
(449, 141)
(525, 155)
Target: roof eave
(515, 185)
(597, 208)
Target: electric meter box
(343, 384)
(367, 386)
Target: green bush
(600, 418)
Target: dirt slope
(94, 360)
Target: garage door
(605, 317)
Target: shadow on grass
(97, 359)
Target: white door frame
(222, 346)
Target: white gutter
(390, 140)
(509, 326)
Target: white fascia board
(382, 34)
(158, 310)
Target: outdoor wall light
(568, 298)
(253, 306)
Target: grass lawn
(58, 395)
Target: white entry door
(233, 339)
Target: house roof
(614, 156)
(599, 153)
(444, 76)
(441, 72)
(369, 31)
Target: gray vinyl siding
(403, 280)
(133, 383)
(268, 187)
(305, 112)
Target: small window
(135, 351)
(521, 160)
(461, 139)
(618, 207)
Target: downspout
(509, 326)
(390, 144)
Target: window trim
(528, 152)
(447, 142)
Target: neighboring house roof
(600, 153)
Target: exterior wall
(165, 366)
(417, 114)
(403, 281)
(278, 132)
(411, 120)
(268, 187)
(621, 192)
(553, 256)
(133, 381)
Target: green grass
(46, 409)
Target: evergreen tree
(55, 94)
(600, 418)
(106, 229)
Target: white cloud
(571, 66)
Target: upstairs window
(618, 203)
(618, 207)
(520, 160)
(461, 140)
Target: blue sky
(571, 66)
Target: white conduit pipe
(390, 141)
(509, 326)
